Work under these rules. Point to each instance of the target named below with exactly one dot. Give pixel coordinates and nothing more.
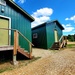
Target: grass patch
(7, 66)
(70, 45)
(54, 51)
(6, 69)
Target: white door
(4, 34)
(56, 35)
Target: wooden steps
(16, 43)
(55, 46)
(58, 45)
(23, 52)
(20, 50)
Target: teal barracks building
(15, 28)
(47, 35)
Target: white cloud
(68, 28)
(42, 15)
(67, 19)
(14, 0)
(22, 1)
(68, 25)
(71, 18)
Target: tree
(74, 37)
(71, 37)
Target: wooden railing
(16, 41)
(61, 38)
(62, 41)
(30, 44)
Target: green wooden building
(47, 35)
(14, 18)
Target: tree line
(71, 37)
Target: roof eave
(59, 24)
(32, 19)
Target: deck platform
(5, 48)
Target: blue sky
(47, 10)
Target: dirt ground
(55, 62)
(70, 42)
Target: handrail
(8, 29)
(19, 33)
(61, 38)
(25, 38)
(16, 43)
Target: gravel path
(52, 63)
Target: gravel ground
(51, 63)
(42, 52)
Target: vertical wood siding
(50, 34)
(41, 40)
(20, 22)
(46, 36)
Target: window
(34, 35)
(3, 2)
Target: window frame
(35, 36)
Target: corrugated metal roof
(43, 24)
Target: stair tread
(20, 50)
(24, 52)
(55, 46)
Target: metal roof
(43, 24)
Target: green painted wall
(50, 35)
(50, 27)
(18, 21)
(40, 41)
(46, 36)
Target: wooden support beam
(15, 47)
(30, 48)
(15, 42)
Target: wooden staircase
(24, 52)
(16, 48)
(60, 44)
(55, 46)
(20, 50)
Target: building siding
(41, 40)
(50, 33)
(46, 35)
(19, 22)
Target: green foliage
(71, 37)
(6, 69)
(71, 45)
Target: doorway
(4, 34)
(56, 35)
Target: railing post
(60, 41)
(30, 48)
(15, 46)
(65, 41)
